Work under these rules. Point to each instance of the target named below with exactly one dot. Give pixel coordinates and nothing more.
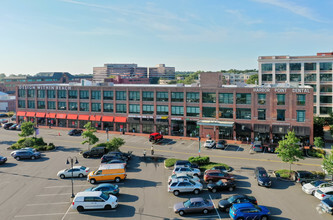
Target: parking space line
(190, 144)
(63, 217)
(215, 207)
(59, 194)
(50, 187)
(56, 203)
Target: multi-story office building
(223, 112)
(315, 71)
(234, 78)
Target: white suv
(177, 186)
(324, 193)
(310, 188)
(94, 200)
(187, 170)
(209, 144)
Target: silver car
(184, 185)
(183, 176)
(78, 171)
(186, 170)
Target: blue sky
(209, 35)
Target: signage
(45, 87)
(177, 119)
(282, 90)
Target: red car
(155, 137)
(211, 176)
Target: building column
(317, 88)
(273, 74)
(288, 72)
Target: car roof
(105, 184)
(197, 199)
(260, 168)
(214, 171)
(89, 193)
(182, 161)
(243, 205)
(303, 171)
(77, 166)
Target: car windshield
(187, 203)
(219, 183)
(331, 198)
(105, 196)
(192, 182)
(263, 174)
(316, 183)
(232, 199)
(83, 168)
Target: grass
(170, 162)
(284, 173)
(212, 164)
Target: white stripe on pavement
(56, 203)
(49, 187)
(215, 207)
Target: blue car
(106, 188)
(248, 211)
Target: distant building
(120, 80)
(3, 87)
(7, 102)
(234, 78)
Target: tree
(289, 150)
(253, 79)
(89, 135)
(27, 129)
(328, 163)
(318, 142)
(116, 143)
(318, 126)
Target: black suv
(94, 152)
(116, 155)
(75, 132)
(304, 177)
(262, 177)
(7, 125)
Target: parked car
(29, 148)
(221, 144)
(75, 132)
(116, 161)
(155, 137)
(327, 205)
(18, 127)
(13, 118)
(3, 115)
(13, 127)
(183, 176)
(262, 177)
(94, 152)
(3, 159)
(303, 177)
(310, 188)
(177, 186)
(187, 170)
(248, 211)
(185, 163)
(94, 200)
(3, 120)
(257, 146)
(221, 168)
(225, 204)
(7, 125)
(194, 205)
(25, 154)
(121, 155)
(324, 193)
(78, 171)
(211, 176)
(106, 188)
(209, 144)
(220, 185)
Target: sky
(209, 35)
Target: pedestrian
(152, 150)
(144, 153)
(247, 140)
(123, 131)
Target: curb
(282, 179)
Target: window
(162, 110)
(147, 109)
(84, 94)
(51, 94)
(148, 96)
(267, 77)
(243, 113)
(281, 77)
(41, 94)
(31, 104)
(192, 97)
(51, 105)
(325, 110)
(314, 99)
(162, 96)
(120, 95)
(21, 103)
(108, 95)
(208, 97)
(108, 107)
(314, 87)
(31, 93)
(300, 115)
(177, 110)
(295, 77)
(62, 94)
(266, 67)
(96, 107)
(281, 99)
(261, 114)
(295, 66)
(96, 95)
(72, 94)
(326, 77)
(121, 108)
(300, 99)
(192, 111)
(226, 98)
(281, 115)
(21, 93)
(61, 105)
(84, 106)
(226, 113)
(261, 99)
(280, 67)
(325, 66)
(134, 108)
(177, 97)
(243, 98)
(134, 96)
(209, 112)
(325, 100)
(41, 104)
(310, 77)
(309, 66)
(326, 88)
(72, 106)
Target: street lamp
(71, 159)
(107, 134)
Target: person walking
(152, 150)
(144, 153)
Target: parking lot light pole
(107, 134)
(71, 159)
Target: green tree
(289, 150)
(27, 129)
(328, 163)
(318, 142)
(253, 79)
(318, 126)
(89, 135)
(116, 143)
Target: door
(99, 203)
(88, 203)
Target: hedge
(170, 162)
(199, 160)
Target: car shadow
(137, 183)
(166, 141)
(280, 184)
(275, 211)
(65, 149)
(233, 148)
(242, 183)
(42, 159)
(28, 176)
(7, 142)
(8, 165)
(240, 177)
(122, 211)
(122, 197)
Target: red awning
(20, 113)
(30, 114)
(84, 117)
(40, 114)
(95, 118)
(73, 117)
(51, 115)
(107, 118)
(120, 119)
(61, 116)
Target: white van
(94, 200)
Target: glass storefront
(243, 132)
(147, 128)
(41, 121)
(72, 123)
(82, 123)
(120, 127)
(62, 122)
(191, 129)
(162, 125)
(96, 124)
(226, 133)
(177, 128)
(108, 125)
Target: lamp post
(107, 134)
(71, 161)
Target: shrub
(319, 173)
(15, 146)
(211, 165)
(21, 140)
(199, 160)
(40, 147)
(286, 174)
(50, 146)
(28, 142)
(39, 141)
(170, 162)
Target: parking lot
(31, 189)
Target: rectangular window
(72, 94)
(147, 109)
(261, 114)
(243, 98)
(310, 66)
(314, 99)
(31, 104)
(62, 106)
(84, 106)
(96, 95)
(326, 88)
(51, 105)
(51, 94)
(226, 98)
(162, 110)
(41, 104)
(310, 77)
(266, 67)
(21, 93)
(31, 93)
(301, 99)
(120, 95)
(107, 107)
(209, 112)
(62, 94)
(162, 96)
(148, 96)
(72, 106)
(267, 77)
(96, 107)
(281, 115)
(226, 113)
(281, 99)
(209, 97)
(261, 99)
(192, 97)
(177, 97)
(281, 77)
(177, 110)
(134, 108)
(134, 96)
(325, 66)
(84, 94)
(300, 115)
(108, 95)
(326, 77)
(314, 87)
(325, 110)
(41, 94)
(325, 100)
(295, 66)
(280, 67)
(121, 108)
(192, 111)
(295, 77)
(21, 103)
(243, 113)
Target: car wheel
(196, 175)
(176, 192)
(84, 155)
(230, 189)
(227, 209)
(205, 211)
(80, 209)
(302, 183)
(313, 192)
(80, 175)
(17, 158)
(214, 190)
(92, 181)
(241, 218)
(264, 217)
(196, 191)
(62, 176)
(107, 207)
(210, 181)
(117, 179)
(33, 157)
(181, 213)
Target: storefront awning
(83, 117)
(72, 117)
(50, 115)
(95, 118)
(20, 113)
(261, 128)
(120, 119)
(40, 114)
(107, 118)
(280, 129)
(61, 116)
(216, 123)
(30, 114)
(301, 131)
